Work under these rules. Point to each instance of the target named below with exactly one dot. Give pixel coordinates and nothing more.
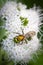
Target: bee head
(16, 40)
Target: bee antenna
(22, 30)
(16, 32)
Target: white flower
(12, 11)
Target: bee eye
(29, 38)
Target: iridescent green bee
(21, 37)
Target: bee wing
(31, 33)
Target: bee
(24, 37)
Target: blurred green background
(4, 60)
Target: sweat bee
(24, 37)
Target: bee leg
(21, 43)
(26, 41)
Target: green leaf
(10, 63)
(3, 57)
(22, 18)
(24, 21)
(42, 38)
(2, 2)
(38, 35)
(41, 28)
(2, 33)
(1, 22)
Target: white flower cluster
(12, 12)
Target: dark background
(30, 3)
